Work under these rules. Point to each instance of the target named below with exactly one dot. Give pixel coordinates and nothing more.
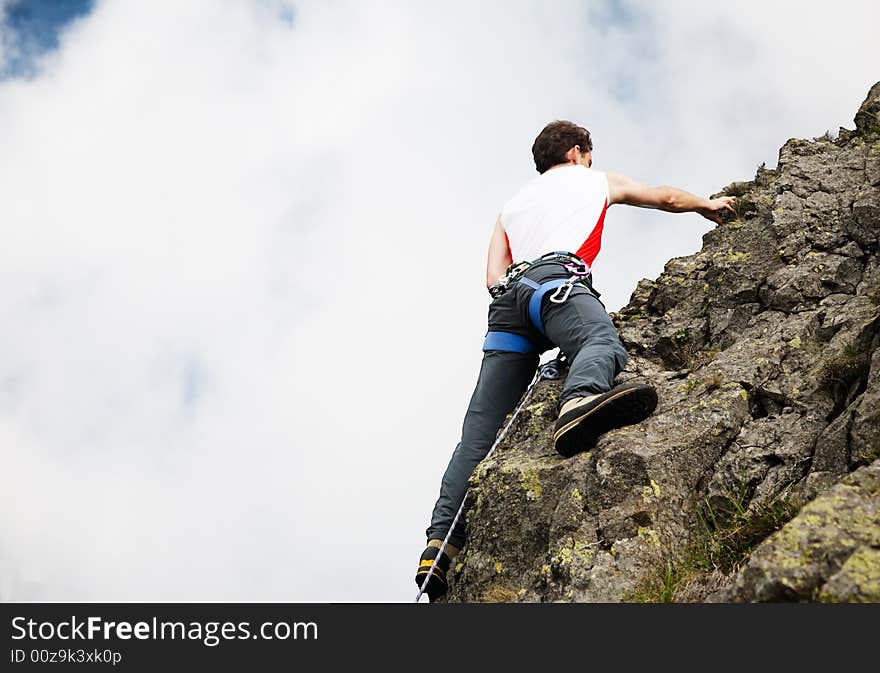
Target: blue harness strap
(538, 296)
(508, 341)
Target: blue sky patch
(32, 27)
(287, 15)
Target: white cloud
(243, 261)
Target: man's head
(562, 142)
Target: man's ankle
(450, 550)
(577, 401)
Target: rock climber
(538, 274)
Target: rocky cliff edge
(758, 476)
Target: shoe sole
(579, 429)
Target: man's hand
(714, 208)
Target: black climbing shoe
(582, 420)
(437, 585)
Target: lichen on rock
(830, 551)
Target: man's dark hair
(555, 140)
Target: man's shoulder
(524, 190)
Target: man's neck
(569, 163)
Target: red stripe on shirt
(590, 248)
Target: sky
(242, 279)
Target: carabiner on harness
(579, 270)
(578, 267)
(566, 290)
(514, 271)
(511, 273)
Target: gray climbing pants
(580, 327)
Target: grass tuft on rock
(720, 546)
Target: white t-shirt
(561, 209)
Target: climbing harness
(514, 272)
(550, 371)
(562, 287)
(497, 340)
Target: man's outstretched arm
(622, 189)
(499, 256)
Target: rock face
(830, 551)
(758, 477)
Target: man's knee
(601, 342)
(600, 333)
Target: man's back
(561, 209)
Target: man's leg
(504, 377)
(589, 404)
(582, 328)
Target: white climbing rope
(548, 370)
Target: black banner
(271, 636)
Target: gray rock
(830, 551)
(868, 116)
(763, 347)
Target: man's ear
(571, 155)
